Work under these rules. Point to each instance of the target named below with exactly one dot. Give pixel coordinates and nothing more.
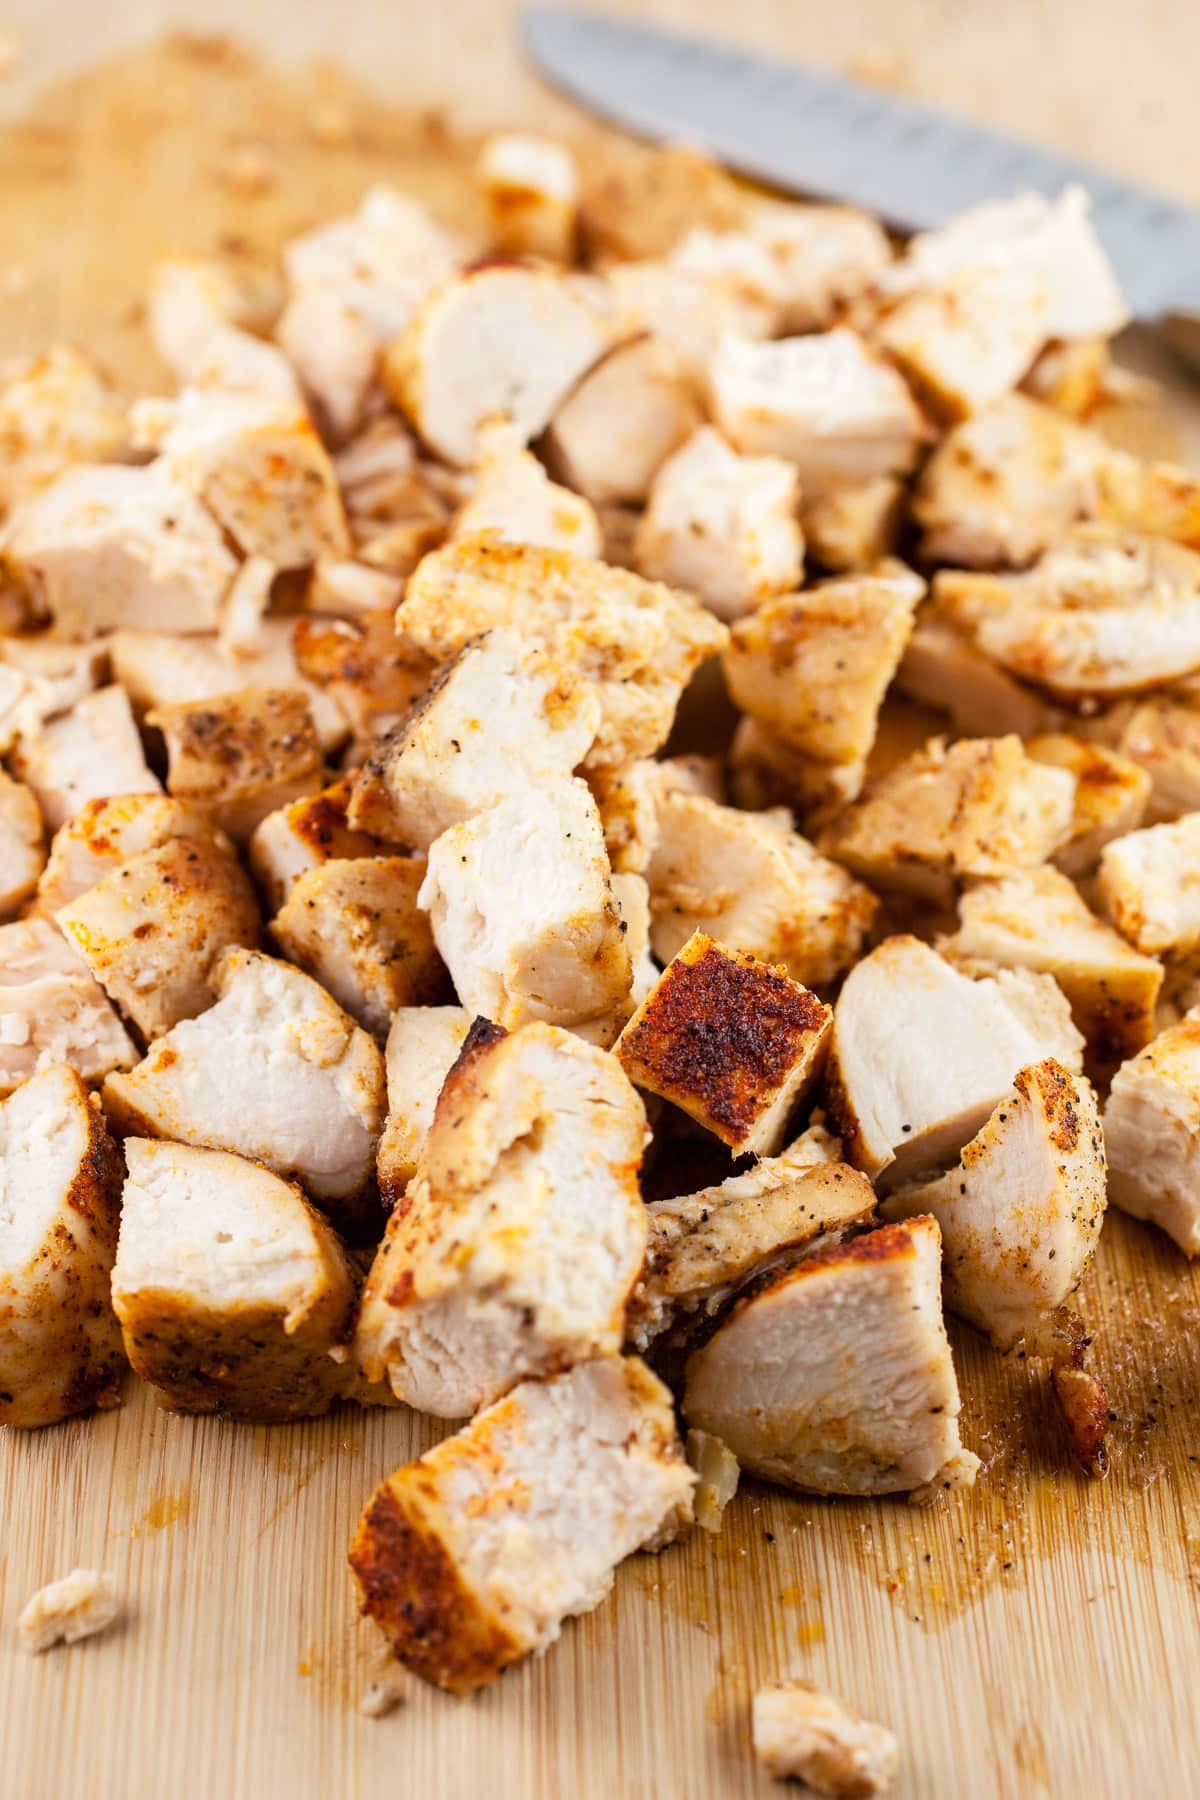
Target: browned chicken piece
(531, 188)
(1079, 377)
(231, 1289)
(52, 1010)
(22, 844)
(422, 1046)
(85, 754)
(638, 202)
(849, 529)
(1147, 886)
(240, 756)
(921, 1054)
(359, 667)
(977, 807)
(354, 924)
(151, 930)
(1156, 497)
(76, 1606)
(732, 1042)
(60, 1349)
(56, 410)
(803, 1734)
(629, 797)
(943, 667)
(967, 339)
(305, 834)
(765, 772)
(1161, 738)
(106, 833)
(1152, 1130)
(1111, 793)
(471, 1558)
(837, 1378)
(750, 881)
(513, 496)
(532, 1160)
(612, 433)
(1021, 1212)
(637, 642)
(1037, 919)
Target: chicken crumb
(800, 1732)
(78, 1606)
(388, 1690)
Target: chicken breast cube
(22, 844)
(304, 835)
(1147, 886)
(1111, 792)
(521, 904)
(114, 546)
(978, 807)
(826, 403)
(808, 1735)
(472, 1557)
(944, 668)
(752, 883)
(496, 720)
(354, 924)
(733, 1043)
(970, 338)
(422, 1046)
(854, 527)
(516, 498)
(360, 666)
(637, 642)
(613, 433)
(531, 187)
(241, 755)
(837, 1377)
(90, 753)
(722, 526)
(52, 1011)
(106, 833)
(192, 309)
(1021, 1213)
(1152, 1130)
(629, 799)
(690, 309)
(499, 341)
(765, 772)
(921, 1054)
(151, 930)
(1160, 748)
(56, 410)
(274, 1071)
(230, 1288)
(77, 1606)
(824, 256)
(60, 1349)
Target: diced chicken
(52, 1011)
(766, 772)
(1111, 792)
(1152, 1130)
(1021, 1213)
(102, 835)
(690, 309)
(275, 1071)
(738, 262)
(968, 338)
(723, 526)
(752, 883)
(638, 642)
(56, 410)
(241, 755)
(531, 1159)
(1161, 740)
(837, 1377)
(60, 1349)
(522, 909)
(921, 1054)
(629, 798)
(826, 403)
(246, 605)
(978, 807)
(60, 673)
(531, 187)
(612, 434)
(855, 526)
(732, 1042)
(350, 589)
(1158, 498)
(422, 1047)
(472, 1557)
(1079, 377)
(77, 1606)
(944, 668)
(192, 311)
(22, 844)
(802, 1733)
(638, 202)
(305, 835)
(151, 930)
(334, 353)
(633, 903)
(109, 546)
(500, 341)
(89, 753)
(515, 498)
(1148, 888)
(231, 1289)
(824, 256)
(360, 667)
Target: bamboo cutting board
(1034, 1637)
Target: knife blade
(817, 132)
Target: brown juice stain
(172, 1508)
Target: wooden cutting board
(1034, 1637)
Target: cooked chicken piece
(522, 909)
(334, 353)
(22, 844)
(612, 434)
(638, 202)
(690, 309)
(151, 930)
(629, 798)
(1079, 377)
(820, 1741)
(704, 1247)
(765, 772)
(1036, 919)
(52, 1011)
(1111, 792)
(751, 882)
(102, 835)
(108, 546)
(77, 1606)
(921, 1054)
(978, 807)
(942, 667)
(56, 410)
(275, 1071)
(246, 604)
(352, 590)
(60, 1349)
(192, 312)
(1158, 498)
(89, 753)
(472, 1557)
(852, 528)
(638, 642)
(723, 526)
(968, 338)
(531, 187)
(499, 341)
(422, 1046)
(633, 903)
(239, 756)
(717, 1473)
(824, 256)
(61, 673)
(532, 1160)
(837, 1377)
(1161, 741)
(732, 1042)
(1148, 886)
(304, 836)
(231, 1289)
(826, 403)
(258, 466)
(1152, 1130)
(360, 667)
(738, 262)
(516, 499)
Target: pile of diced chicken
(355, 878)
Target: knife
(813, 131)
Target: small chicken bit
(531, 187)
(944, 668)
(613, 433)
(242, 755)
(305, 834)
(1111, 795)
(629, 799)
(851, 528)
(824, 256)
(515, 498)
(358, 667)
(717, 1473)
(1147, 886)
(423, 1044)
(193, 313)
(22, 844)
(52, 1011)
(56, 411)
(92, 752)
(968, 339)
(77, 1606)
(802, 1733)
(1160, 740)
(1152, 1130)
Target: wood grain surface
(1034, 1637)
